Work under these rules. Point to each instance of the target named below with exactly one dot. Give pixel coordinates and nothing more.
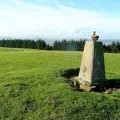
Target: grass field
(32, 87)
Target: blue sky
(58, 19)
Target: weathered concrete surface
(92, 70)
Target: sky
(59, 19)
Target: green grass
(32, 88)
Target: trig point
(92, 69)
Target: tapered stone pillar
(92, 69)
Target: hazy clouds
(39, 20)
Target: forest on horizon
(64, 45)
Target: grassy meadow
(32, 87)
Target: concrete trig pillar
(92, 69)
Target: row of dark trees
(73, 45)
(18, 43)
(114, 47)
(42, 45)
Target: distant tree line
(114, 47)
(42, 45)
(73, 45)
(18, 43)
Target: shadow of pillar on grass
(69, 74)
(110, 84)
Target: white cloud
(54, 22)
